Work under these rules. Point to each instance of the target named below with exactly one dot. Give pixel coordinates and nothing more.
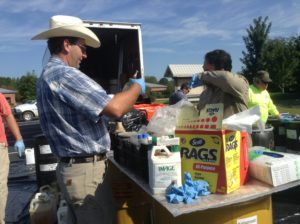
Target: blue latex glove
(20, 147)
(141, 82)
(195, 81)
(189, 191)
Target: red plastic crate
(148, 109)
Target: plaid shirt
(69, 105)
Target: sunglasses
(266, 83)
(82, 48)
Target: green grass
(290, 106)
(162, 101)
(289, 102)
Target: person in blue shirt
(179, 94)
(72, 108)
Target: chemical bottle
(164, 168)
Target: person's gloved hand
(20, 147)
(141, 82)
(195, 81)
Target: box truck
(119, 56)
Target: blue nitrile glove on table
(141, 82)
(189, 191)
(19, 147)
(195, 81)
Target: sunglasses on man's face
(82, 48)
(266, 83)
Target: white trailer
(119, 56)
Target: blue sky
(173, 31)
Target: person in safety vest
(258, 95)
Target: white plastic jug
(62, 212)
(29, 154)
(164, 168)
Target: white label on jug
(249, 220)
(281, 130)
(291, 134)
(164, 175)
(45, 149)
(48, 167)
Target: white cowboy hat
(69, 26)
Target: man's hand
(20, 147)
(195, 81)
(141, 82)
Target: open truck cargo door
(119, 56)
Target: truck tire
(27, 116)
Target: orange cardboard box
(219, 157)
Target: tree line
(279, 56)
(25, 86)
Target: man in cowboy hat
(71, 108)
(258, 95)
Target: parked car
(27, 111)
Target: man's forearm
(13, 126)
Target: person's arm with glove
(14, 128)
(195, 81)
(123, 101)
(233, 84)
(140, 82)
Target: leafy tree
(27, 86)
(296, 44)
(151, 79)
(170, 86)
(163, 81)
(279, 56)
(257, 35)
(8, 83)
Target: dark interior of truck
(115, 61)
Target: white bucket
(29, 154)
(62, 212)
(164, 169)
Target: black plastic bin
(279, 132)
(293, 136)
(263, 138)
